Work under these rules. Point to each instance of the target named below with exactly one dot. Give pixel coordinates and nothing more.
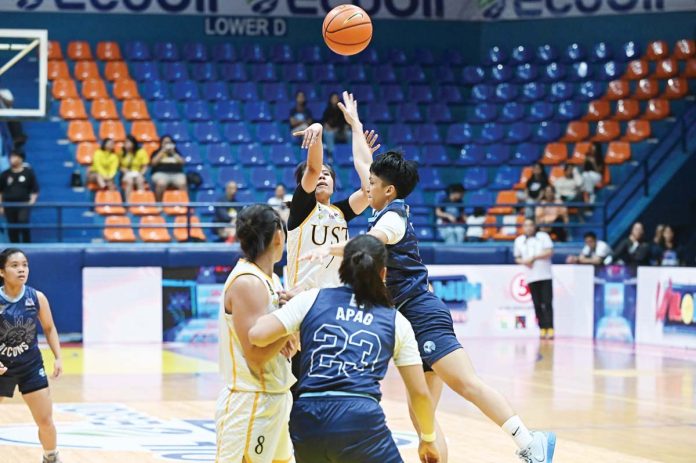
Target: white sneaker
(55, 458)
(540, 450)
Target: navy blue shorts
(432, 323)
(30, 376)
(341, 430)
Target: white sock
(518, 431)
(50, 453)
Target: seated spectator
(591, 180)
(474, 225)
(300, 115)
(134, 163)
(279, 201)
(227, 215)
(596, 158)
(551, 211)
(336, 129)
(536, 183)
(18, 185)
(448, 217)
(568, 187)
(655, 248)
(633, 250)
(167, 168)
(595, 252)
(104, 166)
(670, 253)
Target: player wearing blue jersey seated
(392, 179)
(348, 335)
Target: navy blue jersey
(18, 327)
(407, 276)
(345, 348)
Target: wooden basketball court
(150, 404)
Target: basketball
(347, 30)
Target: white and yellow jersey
(277, 375)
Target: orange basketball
(347, 30)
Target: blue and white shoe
(540, 450)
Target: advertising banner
(615, 303)
(665, 313)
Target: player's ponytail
(5, 255)
(256, 225)
(364, 258)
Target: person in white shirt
(569, 186)
(474, 225)
(279, 201)
(595, 252)
(534, 249)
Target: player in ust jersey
(315, 221)
(349, 334)
(254, 406)
(22, 308)
(392, 179)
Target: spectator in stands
(633, 250)
(336, 129)
(536, 184)
(595, 252)
(451, 218)
(104, 166)
(167, 168)
(300, 115)
(19, 138)
(669, 254)
(569, 186)
(227, 215)
(595, 156)
(474, 225)
(591, 179)
(18, 184)
(134, 163)
(655, 248)
(551, 211)
(279, 201)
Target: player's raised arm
(311, 141)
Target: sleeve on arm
(301, 206)
(405, 345)
(393, 226)
(546, 242)
(292, 313)
(344, 207)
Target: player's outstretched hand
(428, 452)
(57, 368)
(349, 108)
(3, 369)
(371, 138)
(310, 135)
(316, 255)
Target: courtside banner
(456, 10)
(665, 312)
(494, 300)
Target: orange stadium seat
(684, 49)
(112, 129)
(108, 51)
(57, 70)
(175, 197)
(182, 234)
(606, 131)
(626, 110)
(554, 154)
(676, 89)
(54, 50)
(121, 234)
(72, 108)
(618, 152)
(104, 198)
(666, 68)
(690, 69)
(490, 230)
(135, 110)
(116, 70)
(79, 50)
(637, 130)
(524, 176)
(504, 197)
(637, 69)
(125, 89)
(657, 109)
(512, 227)
(598, 110)
(576, 131)
(85, 152)
(579, 153)
(142, 203)
(104, 109)
(80, 130)
(657, 50)
(156, 234)
(94, 89)
(64, 88)
(617, 90)
(555, 174)
(144, 131)
(86, 70)
(646, 89)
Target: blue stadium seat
(317, 107)
(144, 71)
(471, 155)
(206, 132)
(185, 90)
(425, 56)
(413, 74)
(473, 75)
(505, 178)
(512, 112)
(579, 72)
(265, 72)
(459, 134)
(195, 52)
(452, 57)
(232, 173)
(249, 196)
(311, 54)
(554, 72)
(526, 154)
(495, 55)
(430, 179)
(364, 93)
(590, 91)
(506, 92)
(435, 155)
(263, 178)
(420, 94)
(570, 111)
(449, 94)
(228, 110)
(611, 70)
(439, 112)
(274, 91)
(533, 91)
(287, 176)
(369, 56)
(409, 112)
(166, 51)
(397, 56)
(270, 133)
(393, 94)
(483, 93)
(400, 134)
(245, 91)
(281, 110)
(479, 199)
(253, 53)
(282, 53)
(196, 111)
(378, 112)
(343, 156)
(475, 178)
(540, 111)
(492, 133)
(137, 51)
(207, 196)
(574, 53)
(165, 110)
(174, 71)
(425, 234)
(224, 52)
(257, 111)
(284, 155)
(251, 154)
(416, 198)
(220, 154)
(521, 55)
(518, 132)
(190, 152)
(485, 112)
(526, 73)
(175, 129)
(444, 75)
(356, 73)
(601, 52)
(561, 91)
(216, 91)
(236, 132)
(546, 54)
(324, 73)
(629, 51)
(501, 73)
(207, 181)
(428, 134)
(233, 72)
(547, 132)
(294, 72)
(496, 155)
(204, 72)
(309, 89)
